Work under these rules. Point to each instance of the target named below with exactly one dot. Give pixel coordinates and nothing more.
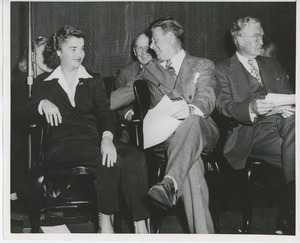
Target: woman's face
(41, 67)
(72, 53)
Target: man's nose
(151, 45)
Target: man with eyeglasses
(189, 82)
(123, 97)
(257, 129)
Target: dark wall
(111, 26)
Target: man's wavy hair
(56, 41)
(239, 25)
(169, 24)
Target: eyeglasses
(142, 49)
(258, 38)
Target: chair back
(142, 98)
(109, 83)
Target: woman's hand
(51, 112)
(109, 153)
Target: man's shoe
(163, 193)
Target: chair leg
(212, 177)
(156, 222)
(35, 222)
(215, 192)
(246, 200)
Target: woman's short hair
(23, 63)
(56, 41)
(169, 24)
(240, 24)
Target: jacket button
(158, 85)
(190, 97)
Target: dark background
(110, 27)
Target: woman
(19, 95)
(74, 103)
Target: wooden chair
(56, 188)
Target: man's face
(271, 51)
(72, 53)
(251, 40)
(141, 49)
(160, 43)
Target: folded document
(281, 99)
(158, 125)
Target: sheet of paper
(158, 125)
(281, 99)
(55, 229)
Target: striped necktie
(253, 71)
(171, 69)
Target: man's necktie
(140, 73)
(171, 69)
(253, 71)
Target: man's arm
(123, 95)
(204, 97)
(225, 103)
(104, 116)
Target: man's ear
(170, 37)
(134, 51)
(239, 41)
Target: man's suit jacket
(233, 99)
(122, 98)
(195, 84)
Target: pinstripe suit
(234, 95)
(195, 84)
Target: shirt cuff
(197, 111)
(252, 115)
(129, 112)
(107, 134)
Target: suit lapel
(136, 68)
(186, 74)
(161, 75)
(239, 79)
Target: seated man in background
(270, 49)
(122, 98)
(259, 131)
(188, 81)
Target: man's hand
(180, 110)
(51, 112)
(261, 107)
(287, 112)
(109, 153)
